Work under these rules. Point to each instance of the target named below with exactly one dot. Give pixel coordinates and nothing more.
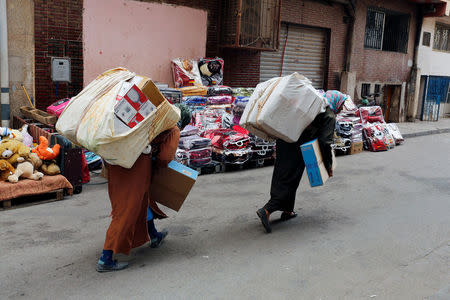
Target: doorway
(391, 103)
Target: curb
(428, 132)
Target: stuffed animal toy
(13, 151)
(25, 170)
(47, 167)
(27, 138)
(44, 151)
(6, 169)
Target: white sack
(283, 107)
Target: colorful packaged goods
(227, 139)
(219, 90)
(185, 72)
(208, 118)
(374, 138)
(199, 157)
(395, 132)
(211, 71)
(390, 142)
(261, 149)
(172, 95)
(193, 142)
(182, 157)
(218, 100)
(195, 100)
(197, 90)
(58, 107)
(243, 92)
(370, 114)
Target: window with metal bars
(426, 39)
(441, 37)
(386, 30)
(365, 90)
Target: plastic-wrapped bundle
(242, 91)
(185, 72)
(193, 142)
(182, 157)
(344, 129)
(189, 130)
(261, 148)
(200, 157)
(238, 108)
(395, 132)
(374, 138)
(370, 114)
(227, 139)
(211, 71)
(357, 132)
(217, 100)
(195, 100)
(208, 118)
(219, 90)
(390, 141)
(235, 157)
(227, 120)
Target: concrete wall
(20, 14)
(140, 36)
(433, 62)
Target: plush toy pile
(19, 160)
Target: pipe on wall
(4, 65)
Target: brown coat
(128, 192)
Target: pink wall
(140, 36)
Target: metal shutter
(305, 53)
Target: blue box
(317, 173)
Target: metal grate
(250, 24)
(441, 37)
(386, 30)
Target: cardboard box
(170, 186)
(133, 106)
(356, 147)
(317, 173)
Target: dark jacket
(322, 128)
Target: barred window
(426, 39)
(365, 90)
(441, 37)
(386, 30)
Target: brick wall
(376, 65)
(58, 33)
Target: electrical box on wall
(60, 69)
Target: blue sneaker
(110, 267)
(156, 242)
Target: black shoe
(156, 242)
(287, 215)
(262, 214)
(115, 266)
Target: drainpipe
(412, 85)
(4, 67)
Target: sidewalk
(420, 128)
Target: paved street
(380, 229)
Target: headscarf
(335, 100)
(186, 115)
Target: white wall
(432, 62)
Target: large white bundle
(89, 120)
(282, 108)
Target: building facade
(433, 97)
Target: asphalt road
(380, 229)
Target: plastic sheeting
(282, 108)
(88, 120)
